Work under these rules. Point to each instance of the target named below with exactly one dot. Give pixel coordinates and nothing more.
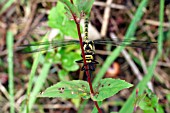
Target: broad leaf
(68, 89)
(68, 61)
(84, 5)
(148, 102)
(109, 87)
(58, 19)
(72, 8)
(138, 100)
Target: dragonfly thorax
(89, 47)
(89, 51)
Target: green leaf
(27, 64)
(109, 87)
(68, 61)
(84, 5)
(58, 19)
(62, 73)
(73, 9)
(68, 89)
(57, 58)
(139, 99)
(147, 102)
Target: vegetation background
(24, 76)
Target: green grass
(6, 6)
(130, 32)
(128, 106)
(39, 84)
(32, 93)
(9, 42)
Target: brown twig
(106, 18)
(112, 5)
(157, 23)
(21, 36)
(26, 30)
(131, 63)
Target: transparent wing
(54, 42)
(128, 42)
(44, 46)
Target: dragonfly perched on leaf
(88, 46)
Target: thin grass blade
(130, 32)
(9, 42)
(141, 86)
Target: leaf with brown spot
(109, 88)
(68, 89)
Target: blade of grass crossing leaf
(10, 69)
(130, 32)
(128, 106)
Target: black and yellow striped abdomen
(89, 49)
(86, 28)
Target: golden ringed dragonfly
(88, 46)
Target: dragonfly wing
(54, 42)
(46, 46)
(135, 43)
(26, 50)
(143, 44)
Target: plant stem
(84, 59)
(71, 1)
(85, 64)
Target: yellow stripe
(86, 28)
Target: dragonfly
(88, 46)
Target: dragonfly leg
(94, 62)
(79, 61)
(90, 67)
(84, 69)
